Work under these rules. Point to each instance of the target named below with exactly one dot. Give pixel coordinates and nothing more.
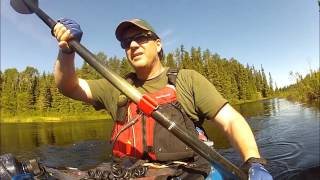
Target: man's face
(142, 51)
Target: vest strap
(172, 75)
(147, 104)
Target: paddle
(144, 102)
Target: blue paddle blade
(21, 7)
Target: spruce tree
(44, 102)
(9, 92)
(170, 62)
(125, 67)
(271, 84)
(265, 86)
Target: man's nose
(134, 44)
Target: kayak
(11, 168)
(216, 173)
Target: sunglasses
(139, 38)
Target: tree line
(305, 89)
(31, 93)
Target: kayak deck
(104, 171)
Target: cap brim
(125, 25)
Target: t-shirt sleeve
(207, 99)
(203, 96)
(104, 95)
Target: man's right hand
(65, 30)
(258, 172)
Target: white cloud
(167, 33)
(167, 38)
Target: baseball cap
(123, 26)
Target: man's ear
(159, 45)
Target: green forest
(31, 93)
(305, 89)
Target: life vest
(142, 137)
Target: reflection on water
(84, 155)
(26, 137)
(287, 134)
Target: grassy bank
(52, 118)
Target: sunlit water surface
(287, 134)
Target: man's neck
(149, 73)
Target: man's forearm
(64, 73)
(242, 137)
(238, 131)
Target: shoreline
(249, 101)
(74, 118)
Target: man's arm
(238, 131)
(64, 72)
(67, 81)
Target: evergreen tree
(234, 71)
(44, 103)
(9, 92)
(252, 91)
(102, 58)
(170, 62)
(196, 60)
(212, 72)
(125, 67)
(114, 64)
(305, 89)
(265, 86)
(186, 62)
(57, 98)
(243, 83)
(180, 54)
(87, 72)
(27, 91)
(270, 84)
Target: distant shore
(56, 118)
(249, 101)
(53, 118)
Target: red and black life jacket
(140, 136)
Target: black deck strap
(172, 75)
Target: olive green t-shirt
(198, 97)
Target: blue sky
(282, 35)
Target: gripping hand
(258, 172)
(65, 30)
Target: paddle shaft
(198, 146)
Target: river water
(287, 133)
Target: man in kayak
(185, 95)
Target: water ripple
(298, 174)
(282, 150)
(282, 156)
